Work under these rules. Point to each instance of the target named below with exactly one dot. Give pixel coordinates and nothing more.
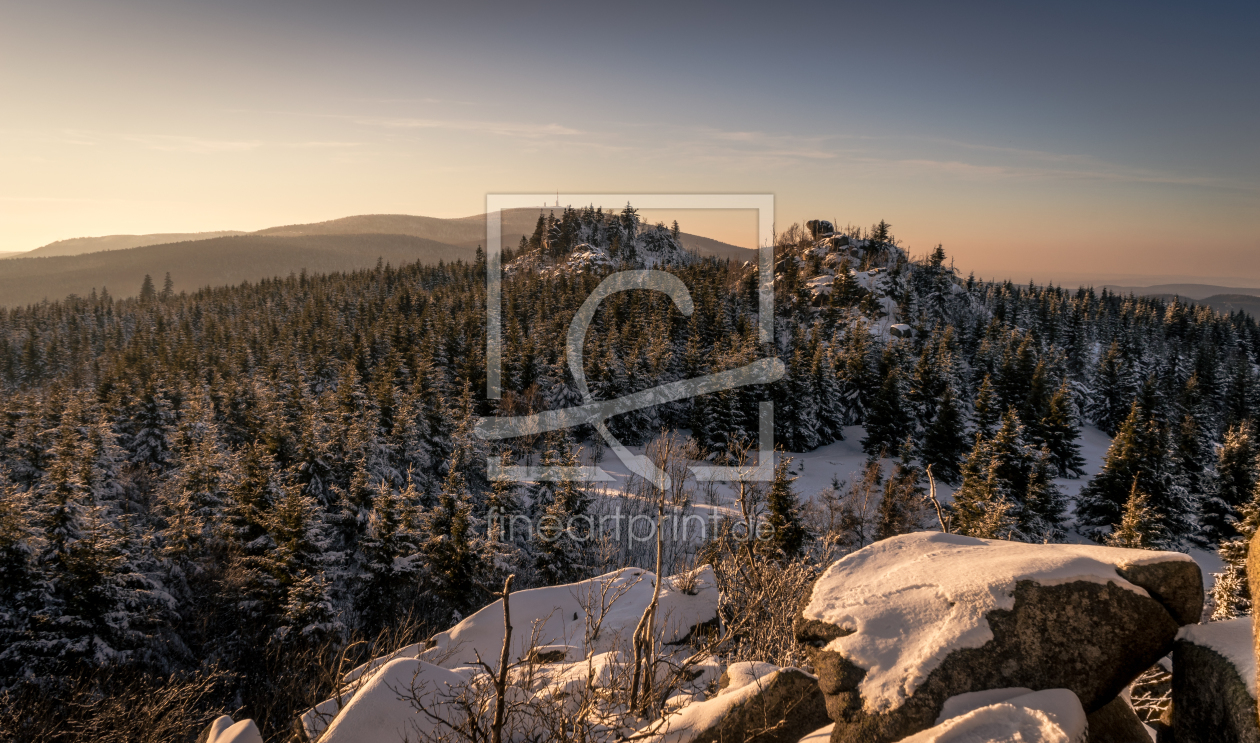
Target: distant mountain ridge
(197, 260)
(465, 232)
(1185, 291)
(1219, 298)
(81, 245)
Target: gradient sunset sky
(1104, 142)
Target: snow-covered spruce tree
(1114, 388)
(91, 606)
(1242, 393)
(451, 546)
(988, 411)
(507, 530)
(192, 500)
(1140, 526)
(19, 577)
(859, 381)
(888, 421)
(564, 530)
(290, 572)
(152, 424)
(1060, 432)
(1140, 451)
(388, 563)
(845, 290)
(1234, 482)
(1006, 482)
(1195, 434)
(831, 408)
(788, 534)
(945, 440)
(1045, 507)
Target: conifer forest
(213, 500)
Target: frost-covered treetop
(907, 602)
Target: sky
(1057, 142)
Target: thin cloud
(755, 149)
(500, 128)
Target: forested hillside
(207, 487)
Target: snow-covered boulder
(899, 627)
(1214, 684)
(1012, 716)
(757, 701)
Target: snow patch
(223, 730)
(1050, 716)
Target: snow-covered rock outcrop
(1214, 683)
(563, 637)
(899, 627)
(586, 240)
